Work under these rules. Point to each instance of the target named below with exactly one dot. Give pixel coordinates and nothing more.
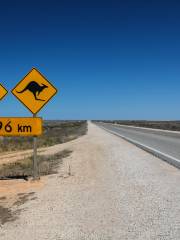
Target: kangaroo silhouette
(35, 89)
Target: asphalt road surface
(167, 142)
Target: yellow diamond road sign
(34, 91)
(3, 92)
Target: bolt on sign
(3, 92)
(34, 91)
(17, 126)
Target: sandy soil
(115, 191)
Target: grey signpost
(35, 160)
(27, 91)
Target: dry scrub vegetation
(54, 132)
(23, 169)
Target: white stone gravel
(116, 192)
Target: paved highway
(165, 142)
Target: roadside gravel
(115, 191)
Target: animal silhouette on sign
(35, 89)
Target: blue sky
(109, 59)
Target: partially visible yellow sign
(3, 92)
(14, 126)
(34, 91)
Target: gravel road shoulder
(114, 191)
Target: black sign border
(6, 91)
(45, 79)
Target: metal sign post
(35, 160)
(34, 91)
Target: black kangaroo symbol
(35, 89)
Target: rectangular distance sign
(17, 126)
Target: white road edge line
(149, 129)
(171, 160)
